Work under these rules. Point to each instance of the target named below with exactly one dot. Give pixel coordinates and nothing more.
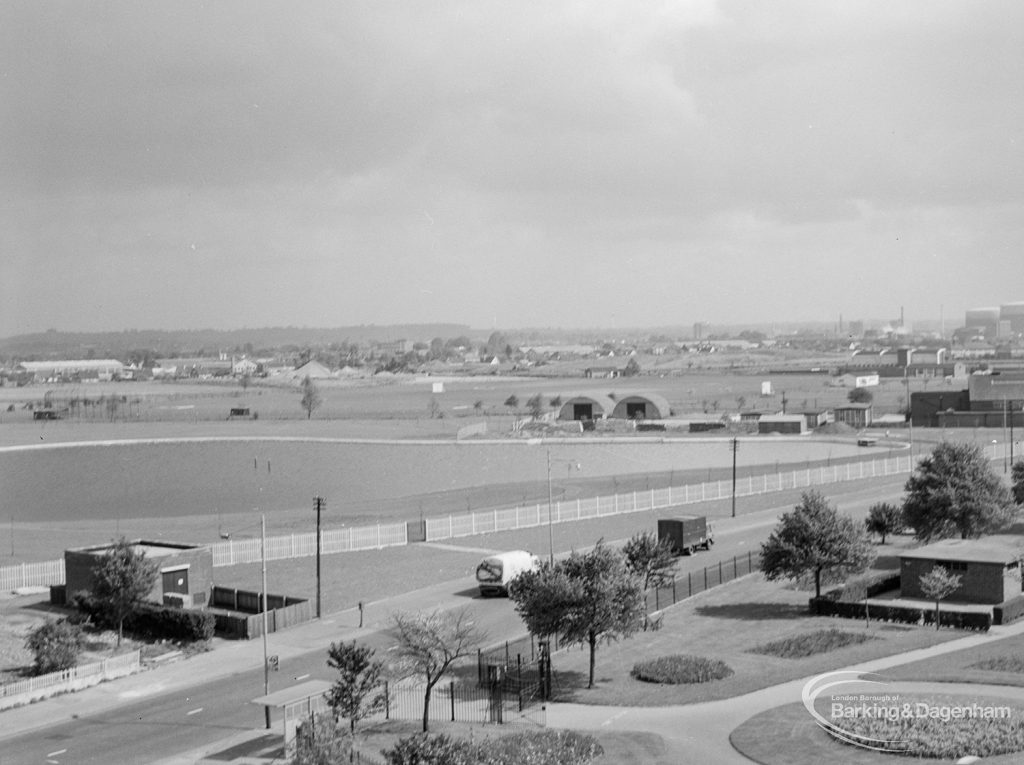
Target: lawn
(1000, 662)
(726, 624)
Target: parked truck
(687, 532)
(496, 572)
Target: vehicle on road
(496, 572)
(687, 533)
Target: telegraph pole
(735, 446)
(263, 601)
(318, 503)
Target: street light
(551, 534)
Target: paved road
(171, 713)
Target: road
(140, 722)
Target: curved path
(702, 731)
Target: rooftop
(998, 549)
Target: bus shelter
(298, 703)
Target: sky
(182, 165)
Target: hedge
(152, 620)
(902, 614)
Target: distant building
(72, 370)
(795, 424)
(855, 415)
(585, 406)
(641, 406)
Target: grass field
(727, 623)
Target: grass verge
(810, 643)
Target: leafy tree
(535, 405)
(938, 584)
(955, 492)
(321, 742)
(651, 560)
(632, 368)
(556, 402)
(55, 646)
(741, 401)
(1017, 476)
(884, 518)
(512, 402)
(860, 396)
(585, 598)
(311, 398)
(121, 580)
(815, 539)
(357, 692)
(428, 645)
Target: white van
(496, 571)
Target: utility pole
(551, 534)
(319, 503)
(263, 608)
(1004, 434)
(735, 446)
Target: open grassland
(727, 624)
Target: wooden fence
(282, 612)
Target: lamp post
(551, 534)
(319, 504)
(263, 608)
(734, 445)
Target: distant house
(72, 370)
(989, 568)
(816, 419)
(314, 370)
(243, 366)
(609, 372)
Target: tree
(815, 539)
(556, 402)
(512, 402)
(428, 645)
(311, 398)
(1017, 477)
(121, 580)
(651, 560)
(938, 584)
(632, 368)
(321, 742)
(955, 492)
(55, 646)
(535, 405)
(741, 401)
(884, 518)
(357, 693)
(860, 396)
(585, 598)
(478, 406)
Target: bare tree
(430, 643)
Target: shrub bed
(1012, 663)
(810, 643)
(942, 735)
(152, 621)
(680, 669)
(546, 747)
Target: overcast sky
(181, 164)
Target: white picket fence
(303, 545)
(566, 511)
(76, 678)
(379, 536)
(31, 575)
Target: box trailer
(495, 572)
(687, 533)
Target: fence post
(689, 585)
(750, 561)
(734, 572)
(674, 589)
(451, 692)
(705, 577)
(657, 607)
(387, 702)
(719, 572)
(479, 666)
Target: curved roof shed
(641, 406)
(586, 407)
